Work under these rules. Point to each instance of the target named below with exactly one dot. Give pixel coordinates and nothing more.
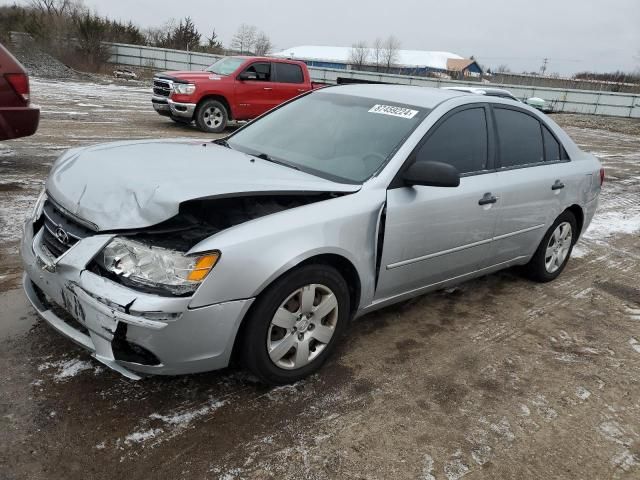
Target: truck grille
(161, 87)
(60, 232)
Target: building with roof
(408, 62)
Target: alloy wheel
(558, 247)
(302, 326)
(213, 117)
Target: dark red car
(17, 117)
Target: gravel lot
(498, 378)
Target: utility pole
(543, 68)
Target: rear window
(519, 138)
(289, 73)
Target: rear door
(533, 175)
(254, 97)
(289, 81)
(433, 234)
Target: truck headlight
(156, 267)
(184, 88)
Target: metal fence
(559, 99)
(159, 58)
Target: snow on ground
(65, 369)
(172, 424)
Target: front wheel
(212, 116)
(295, 324)
(554, 250)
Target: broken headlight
(156, 267)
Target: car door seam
(403, 263)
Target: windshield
(226, 65)
(340, 137)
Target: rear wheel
(295, 324)
(554, 250)
(212, 116)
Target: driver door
(435, 234)
(255, 96)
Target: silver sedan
(175, 256)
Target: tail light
(20, 83)
(601, 176)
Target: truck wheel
(212, 116)
(295, 324)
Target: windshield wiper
(222, 141)
(266, 157)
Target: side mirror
(248, 76)
(431, 174)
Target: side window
(461, 141)
(289, 73)
(262, 71)
(519, 138)
(552, 150)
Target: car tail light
(601, 176)
(20, 83)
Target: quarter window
(289, 73)
(461, 141)
(552, 150)
(519, 138)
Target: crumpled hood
(141, 183)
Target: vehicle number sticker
(394, 111)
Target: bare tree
(57, 7)
(262, 45)
(245, 38)
(377, 53)
(502, 69)
(390, 52)
(359, 54)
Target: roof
(425, 97)
(458, 64)
(406, 58)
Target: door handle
(557, 186)
(302, 90)
(267, 88)
(487, 198)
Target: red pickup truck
(233, 88)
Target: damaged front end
(125, 294)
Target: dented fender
(255, 253)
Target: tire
(212, 116)
(279, 355)
(554, 250)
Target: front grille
(161, 88)
(60, 231)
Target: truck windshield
(226, 66)
(340, 137)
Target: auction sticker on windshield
(394, 111)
